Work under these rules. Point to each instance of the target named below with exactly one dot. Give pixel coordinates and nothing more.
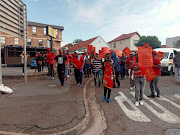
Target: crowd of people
(107, 71)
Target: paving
(160, 114)
(40, 106)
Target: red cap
(154, 52)
(48, 48)
(38, 52)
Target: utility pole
(0, 61)
(24, 37)
(51, 44)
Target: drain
(173, 132)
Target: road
(155, 117)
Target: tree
(177, 44)
(77, 41)
(69, 45)
(153, 40)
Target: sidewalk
(40, 106)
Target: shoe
(52, 78)
(61, 87)
(108, 100)
(158, 94)
(141, 103)
(104, 98)
(23, 73)
(131, 88)
(118, 86)
(77, 85)
(68, 76)
(81, 85)
(134, 87)
(151, 96)
(136, 103)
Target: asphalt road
(155, 117)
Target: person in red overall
(108, 76)
(48, 59)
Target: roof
(124, 36)
(81, 44)
(44, 25)
(65, 46)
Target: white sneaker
(131, 88)
(136, 103)
(68, 76)
(141, 103)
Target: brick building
(37, 41)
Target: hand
(75, 66)
(82, 67)
(114, 76)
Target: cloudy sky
(86, 19)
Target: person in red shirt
(78, 63)
(139, 81)
(157, 71)
(48, 57)
(51, 64)
(129, 62)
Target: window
(171, 56)
(56, 31)
(135, 41)
(16, 41)
(34, 29)
(48, 43)
(114, 45)
(28, 41)
(44, 30)
(40, 42)
(3, 40)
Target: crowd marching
(107, 71)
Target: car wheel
(171, 72)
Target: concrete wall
(99, 43)
(134, 40)
(120, 45)
(170, 42)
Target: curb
(82, 125)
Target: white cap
(76, 51)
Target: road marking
(136, 114)
(173, 103)
(177, 96)
(165, 116)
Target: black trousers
(123, 71)
(61, 76)
(117, 79)
(22, 64)
(51, 70)
(105, 92)
(48, 69)
(78, 76)
(39, 67)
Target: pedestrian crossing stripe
(137, 115)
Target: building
(37, 41)
(97, 42)
(171, 42)
(125, 40)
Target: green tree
(153, 40)
(77, 41)
(177, 44)
(69, 45)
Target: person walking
(48, 59)
(129, 64)
(139, 82)
(177, 67)
(60, 60)
(97, 66)
(157, 70)
(51, 64)
(87, 64)
(117, 68)
(108, 76)
(78, 63)
(22, 60)
(38, 61)
(42, 61)
(122, 65)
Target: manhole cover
(173, 132)
(52, 85)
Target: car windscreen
(166, 55)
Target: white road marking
(173, 103)
(136, 114)
(177, 96)
(165, 116)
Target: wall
(132, 45)
(120, 45)
(170, 42)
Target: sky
(85, 19)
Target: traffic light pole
(51, 44)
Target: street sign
(50, 32)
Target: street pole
(51, 44)
(24, 37)
(0, 61)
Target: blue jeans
(97, 75)
(177, 74)
(153, 85)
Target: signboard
(51, 32)
(127, 51)
(149, 74)
(145, 56)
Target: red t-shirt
(137, 73)
(129, 62)
(52, 58)
(48, 58)
(68, 59)
(157, 70)
(77, 62)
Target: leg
(80, 77)
(105, 91)
(22, 67)
(152, 87)
(50, 69)
(142, 82)
(137, 88)
(176, 74)
(109, 93)
(99, 78)
(61, 76)
(117, 79)
(76, 75)
(95, 75)
(155, 85)
(52, 72)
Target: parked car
(33, 63)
